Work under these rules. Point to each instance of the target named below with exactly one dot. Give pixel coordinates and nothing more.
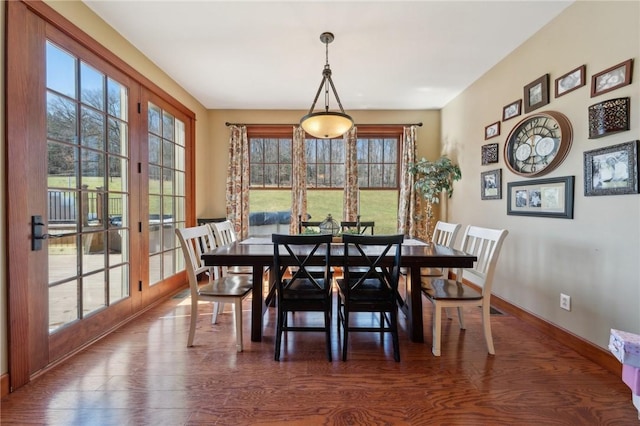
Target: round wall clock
(538, 144)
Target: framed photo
(514, 109)
(491, 185)
(492, 130)
(489, 154)
(612, 170)
(551, 197)
(571, 81)
(536, 93)
(611, 78)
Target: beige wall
(594, 258)
(212, 166)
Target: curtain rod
(289, 124)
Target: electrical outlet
(565, 302)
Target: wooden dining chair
(300, 289)
(358, 227)
(217, 287)
(485, 244)
(308, 227)
(225, 234)
(374, 289)
(444, 234)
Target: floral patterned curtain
(408, 223)
(238, 181)
(351, 196)
(298, 180)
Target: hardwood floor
(143, 374)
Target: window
(270, 160)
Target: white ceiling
(268, 54)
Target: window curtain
(238, 181)
(298, 180)
(351, 197)
(408, 222)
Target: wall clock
(538, 144)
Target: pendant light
(326, 124)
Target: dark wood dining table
(258, 253)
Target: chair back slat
(224, 232)
(371, 252)
(194, 242)
(445, 233)
(485, 244)
(299, 261)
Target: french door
(87, 145)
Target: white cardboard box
(626, 347)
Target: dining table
(257, 252)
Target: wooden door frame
(25, 28)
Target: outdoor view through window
(271, 169)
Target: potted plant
(431, 179)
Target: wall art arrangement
(489, 153)
(612, 78)
(492, 130)
(571, 81)
(491, 185)
(512, 110)
(612, 170)
(608, 117)
(536, 93)
(551, 197)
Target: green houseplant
(431, 179)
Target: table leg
(414, 306)
(257, 304)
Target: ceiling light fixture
(326, 124)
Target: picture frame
(492, 130)
(536, 93)
(491, 185)
(571, 81)
(512, 110)
(611, 170)
(609, 117)
(612, 78)
(552, 197)
(490, 153)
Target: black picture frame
(612, 78)
(612, 170)
(490, 153)
(491, 185)
(536, 93)
(552, 197)
(512, 110)
(574, 79)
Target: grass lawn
(377, 205)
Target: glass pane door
(167, 192)
(87, 188)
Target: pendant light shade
(326, 124)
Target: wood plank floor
(143, 374)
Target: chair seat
(304, 289)
(370, 290)
(442, 289)
(229, 286)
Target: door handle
(37, 226)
